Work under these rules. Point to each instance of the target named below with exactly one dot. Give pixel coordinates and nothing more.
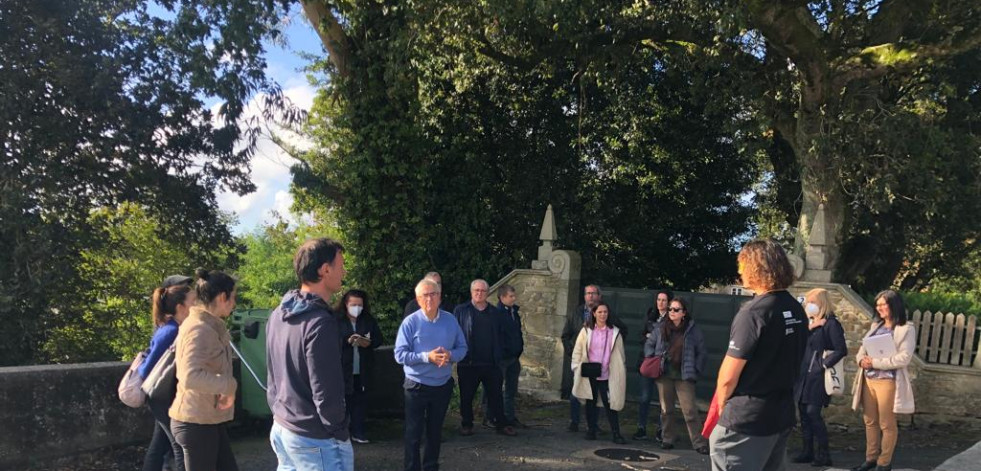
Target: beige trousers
(684, 392)
(881, 431)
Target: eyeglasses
(478, 290)
(676, 309)
(430, 295)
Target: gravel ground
(546, 445)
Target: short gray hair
(479, 280)
(598, 290)
(426, 282)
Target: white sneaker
(359, 440)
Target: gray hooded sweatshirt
(303, 359)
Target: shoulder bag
(652, 367)
(161, 383)
(129, 388)
(834, 377)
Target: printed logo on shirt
(789, 331)
(788, 319)
(732, 345)
(787, 314)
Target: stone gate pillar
(546, 292)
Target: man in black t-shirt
(756, 380)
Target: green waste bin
(248, 329)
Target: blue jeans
(425, 409)
(647, 389)
(299, 453)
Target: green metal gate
(713, 313)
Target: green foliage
(957, 303)
(122, 270)
(266, 271)
(101, 103)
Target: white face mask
(811, 309)
(354, 311)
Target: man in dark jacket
(487, 346)
(303, 359)
(511, 364)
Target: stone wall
(942, 393)
(57, 410)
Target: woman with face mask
(824, 334)
(360, 336)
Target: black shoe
(590, 435)
(640, 434)
(866, 466)
(886, 467)
(822, 457)
(803, 457)
(573, 427)
(658, 437)
(466, 431)
(702, 450)
(666, 446)
(618, 439)
(489, 424)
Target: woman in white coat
(882, 385)
(600, 342)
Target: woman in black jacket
(825, 335)
(360, 336)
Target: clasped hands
(439, 356)
(865, 363)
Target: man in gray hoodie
(303, 359)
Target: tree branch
(331, 33)
(793, 32)
(876, 61)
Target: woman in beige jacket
(205, 386)
(882, 385)
(600, 342)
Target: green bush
(932, 301)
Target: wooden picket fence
(946, 338)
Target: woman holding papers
(825, 348)
(882, 385)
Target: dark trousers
(812, 427)
(601, 390)
(206, 446)
(647, 389)
(574, 406)
(512, 370)
(471, 377)
(163, 442)
(356, 408)
(425, 409)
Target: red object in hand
(711, 419)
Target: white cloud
(270, 170)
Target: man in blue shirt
(428, 342)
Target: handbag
(161, 383)
(834, 377)
(652, 367)
(590, 369)
(129, 387)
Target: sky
(270, 165)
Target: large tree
(869, 104)
(438, 156)
(102, 102)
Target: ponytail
(159, 299)
(165, 302)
